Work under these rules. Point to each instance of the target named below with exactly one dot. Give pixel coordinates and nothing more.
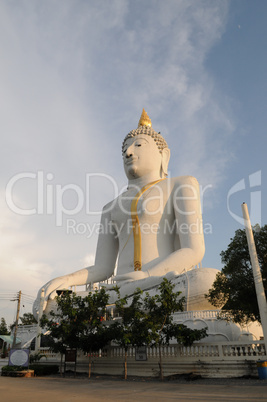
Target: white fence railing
(253, 350)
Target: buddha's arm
(106, 255)
(189, 229)
(191, 253)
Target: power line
(27, 297)
(15, 293)
(32, 297)
(8, 298)
(14, 296)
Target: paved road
(55, 389)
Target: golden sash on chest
(136, 226)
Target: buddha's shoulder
(182, 181)
(109, 206)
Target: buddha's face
(141, 157)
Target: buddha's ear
(166, 153)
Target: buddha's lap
(193, 284)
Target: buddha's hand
(136, 275)
(131, 276)
(171, 275)
(122, 279)
(50, 292)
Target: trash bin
(262, 369)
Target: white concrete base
(221, 360)
(219, 330)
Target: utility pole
(256, 272)
(38, 329)
(17, 320)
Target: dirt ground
(111, 388)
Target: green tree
(149, 321)
(3, 331)
(77, 323)
(3, 327)
(27, 319)
(233, 289)
(159, 320)
(94, 335)
(130, 330)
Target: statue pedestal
(219, 330)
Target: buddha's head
(144, 150)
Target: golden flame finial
(144, 120)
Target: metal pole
(256, 272)
(16, 322)
(38, 330)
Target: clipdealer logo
(51, 198)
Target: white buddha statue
(153, 229)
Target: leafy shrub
(39, 369)
(44, 369)
(13, 368)
(36, 357)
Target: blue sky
(75, 76)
